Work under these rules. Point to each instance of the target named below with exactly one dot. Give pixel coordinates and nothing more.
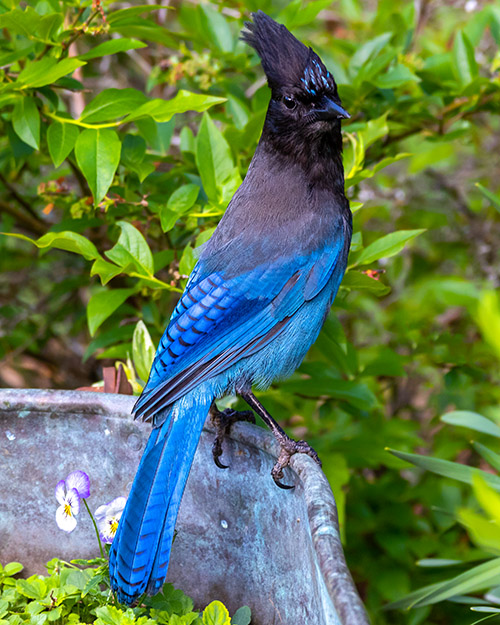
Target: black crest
(287, 62)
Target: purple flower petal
(116, 506)
(100, 513)
(65, 521)
(112, 508)
(79, 480)
(60, 492)
(107, 518)
(73, 500)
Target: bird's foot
(222, 422)
(289, 447)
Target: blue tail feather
(141, 549)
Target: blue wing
(219, 321)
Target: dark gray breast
(274, 214)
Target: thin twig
(25, 221)
(78, 33)
(17, 197)
(82, 183)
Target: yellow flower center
(113, 526)
(67, 509)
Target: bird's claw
(289, 447)
(222, 422)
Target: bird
(253, 305)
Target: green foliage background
(124, 131)
(78, 592)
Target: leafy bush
(102, 156)
(75, 592)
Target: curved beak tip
(332, 110)
(341, 112)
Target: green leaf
(133, 153)
(12, 568)
(33, 588)
(355, 176)
(385, 162)
(464, 63)
(298, 13)
(242, 616)
(120, 334)
(216, 28)
(132, 249)
(188, 142)
(368, 50)
(181, 200)
(386, 246)
(50, 25)
(144, 29)
(164, 110)
(358, 154)
(112, 47)
(66, 240)
(216, 614)
(494, 199)
(10, 57)
(475, 579)
(26, 121)
(375, 129)
(98, 154)
(157, 135)
(453, 470)
(61, 139)
(386, 363)
(46, 71)
(355, 393)
(143, 351)
(213, 158)
(488, 319)
(187, 261)
(111, 104)
(395, 77)
(489, 455)
(488, 499)
(131, 12)
(361, 282)
(472, 420)
(106, 271)
(21, 22)
(238, 112)
(103, 304)
(133, 150)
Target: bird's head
(304, 93)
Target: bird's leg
(222, 422)
(288, 446)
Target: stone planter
(240, 539)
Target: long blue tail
(141, 549)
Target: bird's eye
(289, 103)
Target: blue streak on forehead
(315, 79)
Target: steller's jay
(253, 305)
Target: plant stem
(76, 122)
(103, 555)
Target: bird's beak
(331, 110)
